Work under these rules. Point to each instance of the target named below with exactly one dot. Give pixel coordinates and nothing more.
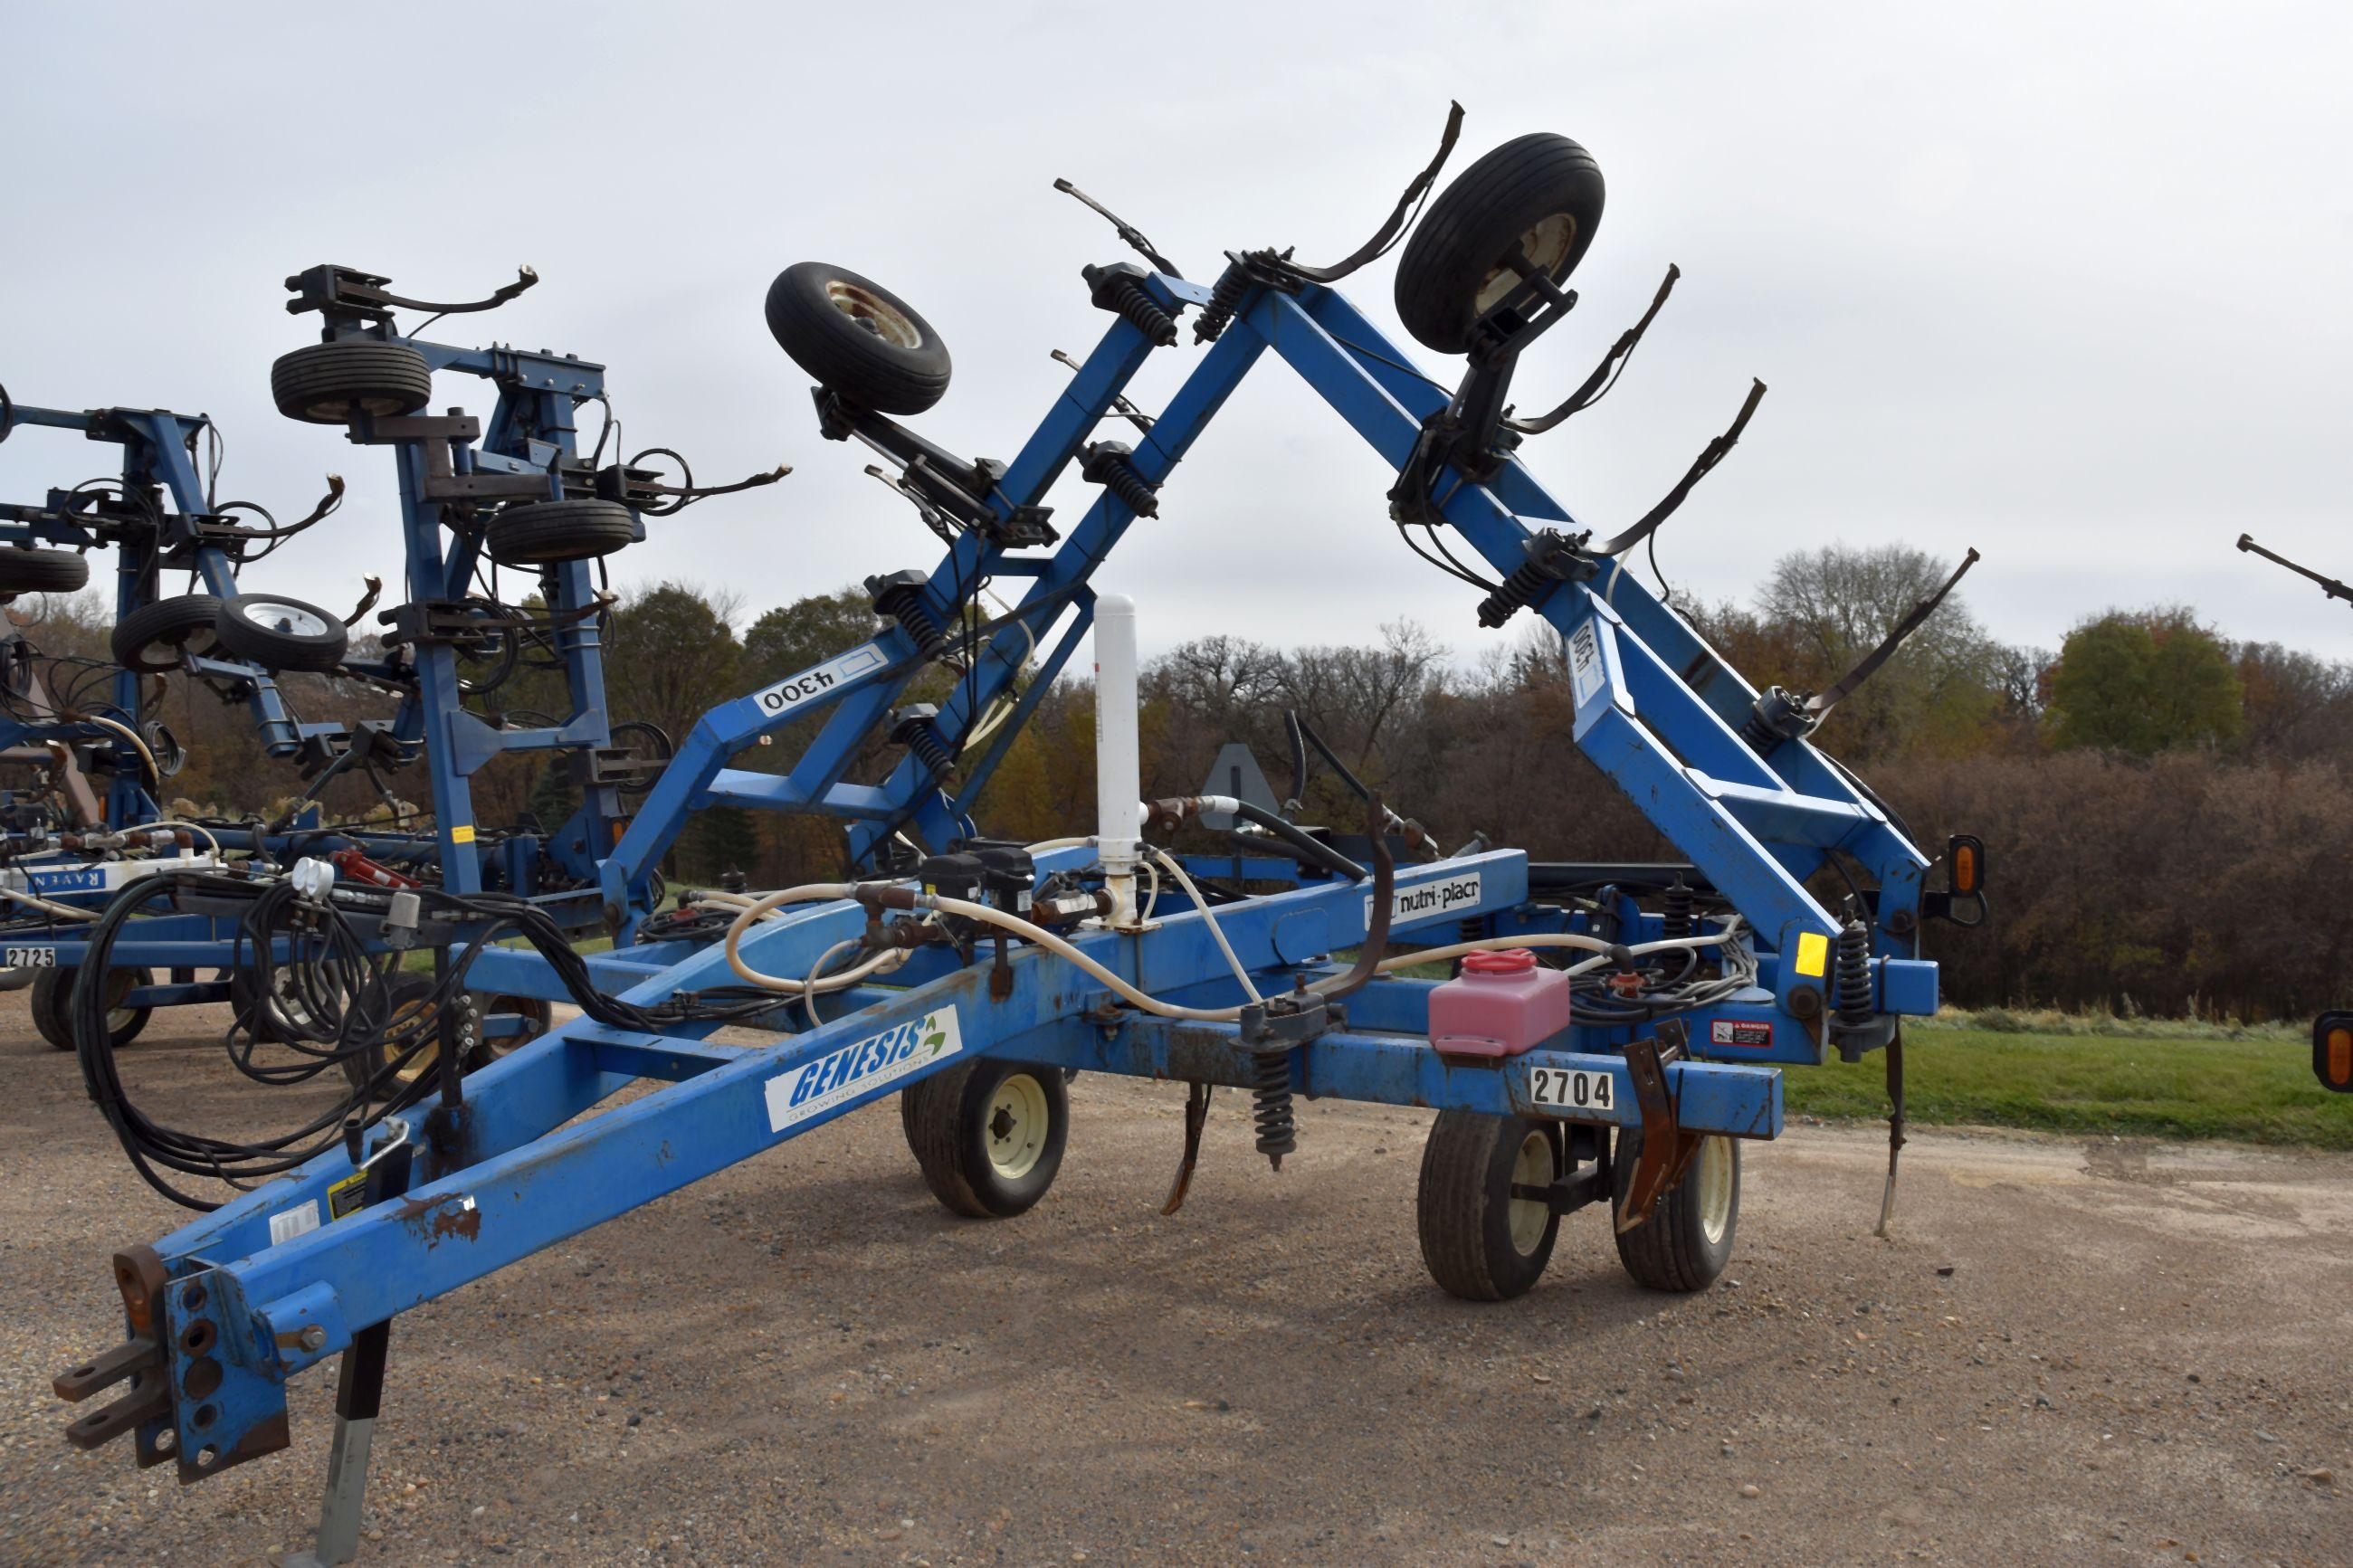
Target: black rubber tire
(243, 996)
(410, 992)
(1463, 1206)
(52, 1005)
(858, 338)
(649, 739)
(947, 1120)
(1672, 1249)
(546, 533)
(334, 384)
(304, 638)
(1474, 223)
(26, 571)
(151, 639)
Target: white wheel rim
(118, 1018)
(1711, 1186)
(871, 311)
(1532, 1167)
(425, 1056)
(1546, 245)
(280, 617)
(1014, 1132)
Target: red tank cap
(1508, 960)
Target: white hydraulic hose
(1548, 939)
(755, 910)
(36, 901)
(191, 826)
(155, 773)
(1209, 917)
(1053, 943)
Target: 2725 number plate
(1570, 1090)
(28, 958)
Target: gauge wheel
(334, 384)
(643, 741)
(244, 993)
(988, 1135)
(165, 746)
(544, 534)
(1687, 1240)
(1486, 1232)
(52, 1004)
(1537, 195)
(280, 634)
(858, 339)
(25, 571)
(152, 638)
(538, 1015)
(412, 1007)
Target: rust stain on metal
(437, 1219)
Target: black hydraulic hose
(1311, 849)
(1376, 932)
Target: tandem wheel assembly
(1490, 1203)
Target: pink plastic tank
(1501, 1003)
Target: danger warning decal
(1747, 1034)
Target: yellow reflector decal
(1813, 953)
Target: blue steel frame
(502, 1175)
(158, 458)
(531, 433)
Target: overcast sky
(2067, 283)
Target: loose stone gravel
(2103, 1353)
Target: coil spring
(915, 618)
(1519, 589)
(1675, 922)
(1851, 979)
(1137, 308)
(1277, 1131)
(930, 750)
(1474, 928)
(1231, 285)
(1108, 467)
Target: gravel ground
(2116, 1353)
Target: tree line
(2168, 812)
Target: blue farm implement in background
(2332, 1032)
(973, 976)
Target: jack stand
(359, 1394)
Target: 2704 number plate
(28, 958)
(1571, 1092)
